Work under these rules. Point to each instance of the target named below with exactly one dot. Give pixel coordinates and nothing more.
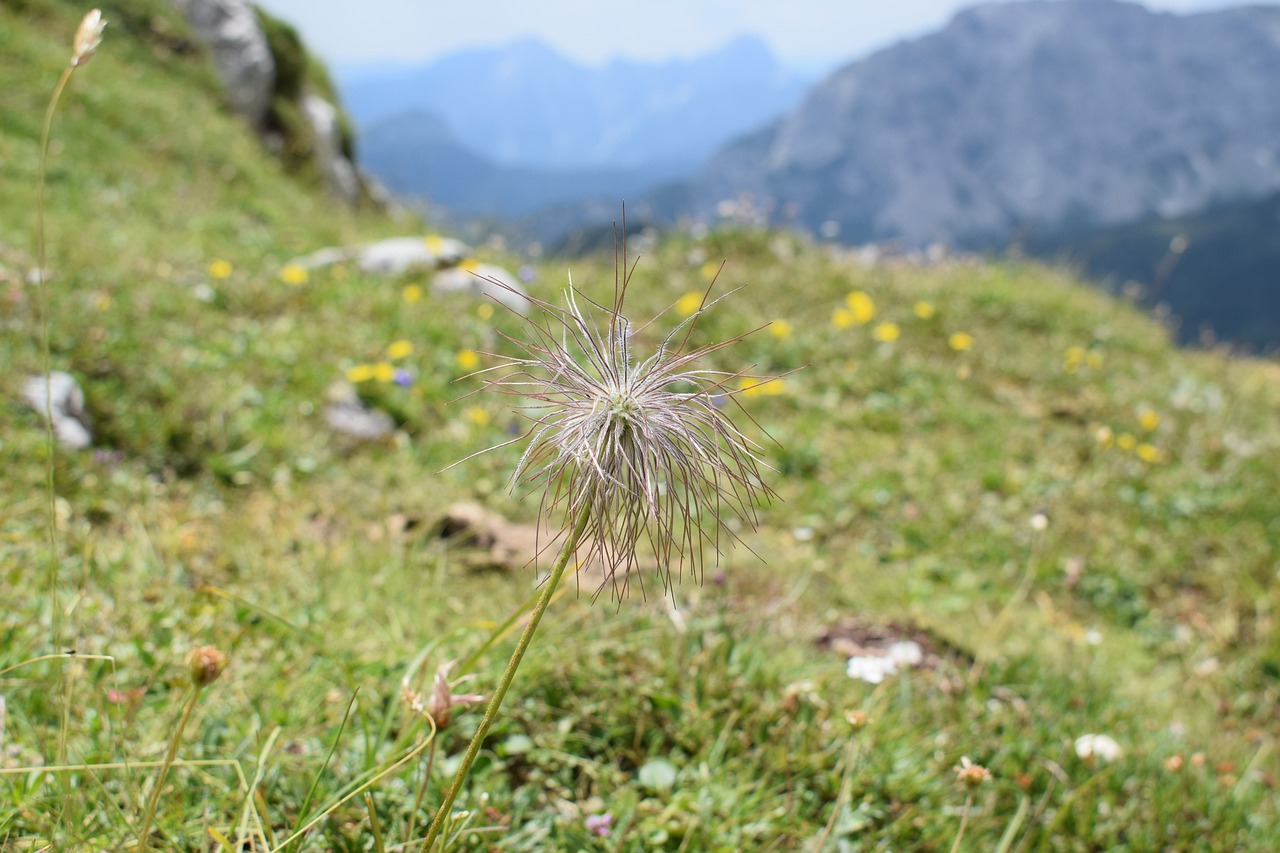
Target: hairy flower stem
(495, 703)
(154, 800)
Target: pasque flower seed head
(642, 446)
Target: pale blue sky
(814, 34)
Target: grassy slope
(229, 515)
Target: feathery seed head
(642, 446)
(88, 37)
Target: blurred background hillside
(1140, 143)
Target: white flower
(871, 669)
(1102, 748)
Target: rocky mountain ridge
(1018, 116)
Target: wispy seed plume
(641, 444)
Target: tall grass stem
(46, 358)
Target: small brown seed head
(971, 775)
(206, 664)
(858, 720)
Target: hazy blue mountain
(524, 104)
(419, 157)
(1044, 115)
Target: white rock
(347, 414)
(483, 280)
(339, 172)
(871, 669)
(239, 49)
(61, 396)
(401, 254)
(324, 257)
(906, 653)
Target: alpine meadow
(959, 554)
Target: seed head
(88, 37)
(969, 774)
(641, 444)
(205, 663)
(443, 700)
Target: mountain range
(1082, 129)
(525, 105)
(1017, 116)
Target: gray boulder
(348, 415)
(484, 281)
(240, 52)
(392, 256)
(401, 254)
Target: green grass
(225, 512)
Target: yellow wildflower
(923, 310)
(435, 244)
(412, 293)
(470, 265)
(293, 274)
(484, 310)
(780, 329)
(767, 388)
(960, 341)
(886, 332)
(468, 359)
(400, 349)
(710, 270)
(688, 304)
(1126, 442)
(1148, 452)
(384, 371)
(360, 373)
(861, 305)
(842, 318)
(220, 269)
(1149, 420)
(1093, 359)
(476, 416)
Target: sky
(811, 35)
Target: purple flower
(403, 378)
(599, 824)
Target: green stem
(46, 361)
(491, 712)
(46, 358)
(154, 799)
(964, 822)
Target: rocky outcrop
(339, 173)
(1022, 115)
(240, 52)
(272, 82)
